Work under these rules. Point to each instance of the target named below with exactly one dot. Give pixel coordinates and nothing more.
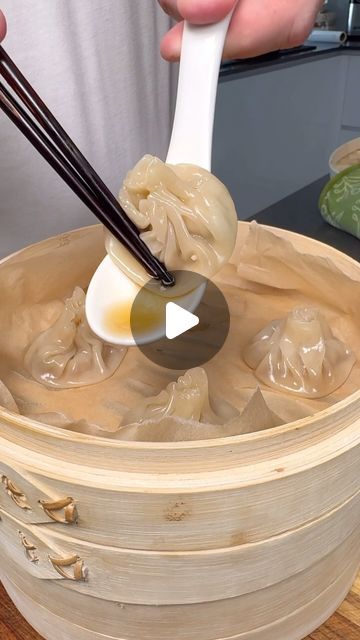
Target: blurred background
(278, 118)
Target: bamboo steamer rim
(17, 420)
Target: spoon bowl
(108, 308)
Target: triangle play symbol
(178, 320)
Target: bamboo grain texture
(344, 624)
(194, 540)
(136, 577)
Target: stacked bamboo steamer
(254, 537)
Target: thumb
(205, 11)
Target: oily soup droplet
(118, 316)
(117, 319)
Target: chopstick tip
(168, 280)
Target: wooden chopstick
(30, 130)
(61, 153)
(52, 127)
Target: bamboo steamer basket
(254, 537)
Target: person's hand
(2, 26)
(257, 27)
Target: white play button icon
(186, 340)
(178, 320)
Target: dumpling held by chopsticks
(185, 216)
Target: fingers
(171, 8)
(256, 27)
(2, 26)
(198, 12)
(170, 46)
(204, 11)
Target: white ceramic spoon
(191, 143)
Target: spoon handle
(201, 52)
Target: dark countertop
(252, 66)
(299, 212)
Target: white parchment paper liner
(266, 277)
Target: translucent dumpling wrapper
(188, 398)
(185, 410)
(185, 216)
(266, 277)
(181, 412)
(6, 399)
(68, 354)
(300, 354)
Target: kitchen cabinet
(346, 134)
(275, 129)
(351, 111)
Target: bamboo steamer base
(285, 611)
(345, 623)
(254, 537)
(295, 627)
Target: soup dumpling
(300, 354)
(185, 216)
(68, 354)
(186, 398)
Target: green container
(339, 202)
